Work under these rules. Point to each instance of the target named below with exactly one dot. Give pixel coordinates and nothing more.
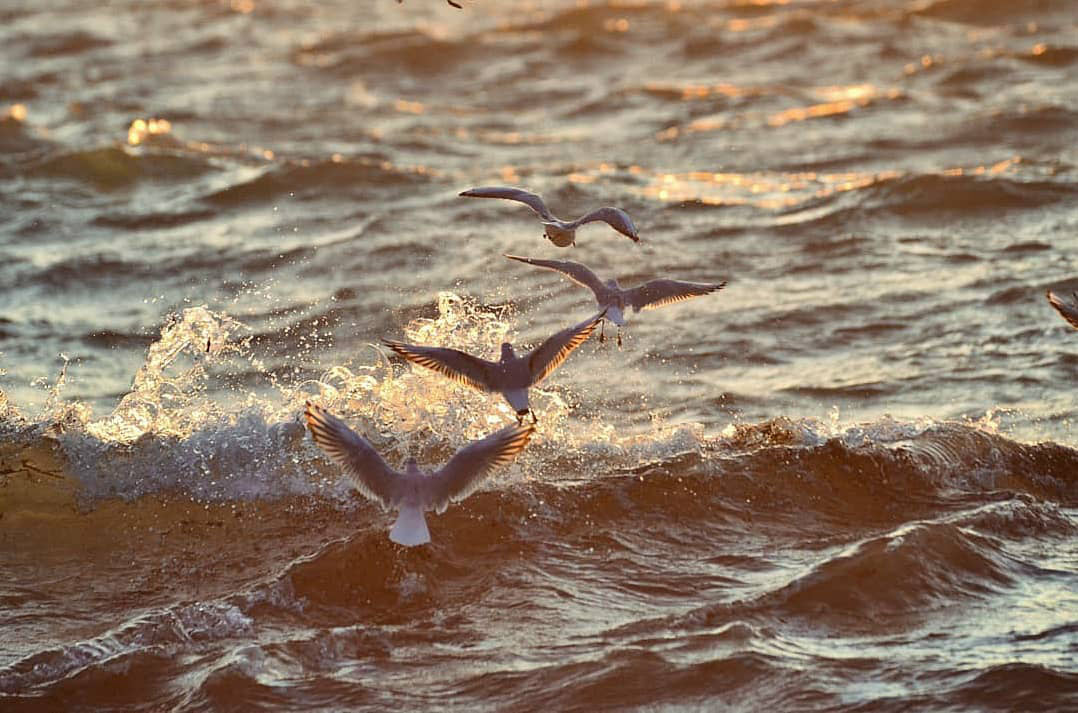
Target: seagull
(512, 375)
(1066, 311)
(413, 492)
(560, 232)
(613, 299)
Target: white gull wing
(457, 365)
(467, 469)
(663, 292)
(1066, 311)
(371, 475)
(549, 355)
(528, 198)
(616, 218)
(575, 271)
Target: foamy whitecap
(169, 434)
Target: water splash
(172, 432)
(163, 400)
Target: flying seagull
(1068, 312)
(512, 375)
(413, 492)
(614, 299)
(560, 232)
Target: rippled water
(849, 480)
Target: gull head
(411, 466)
(507, 352)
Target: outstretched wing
(575, 271)
(663, 292)
(353, 453)
(616, 218)
(549, 355)
(514, 194)
(467, 469)
(453, 363)
(1066, 311)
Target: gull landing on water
(560, 232)
(413, 492)
(1068, 312)
(614, 299)
(512, 375)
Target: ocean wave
(1016, 686)
(414, 52)
(975, 12)
(67, 43)
(153, 220)
(357, 178)
(922, 195)
(150, 634)
(118, 167)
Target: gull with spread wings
(413, 492)
(560, 232)
(512, 375)
(1068, 312)
(614, 299)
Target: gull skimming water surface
(413, 492)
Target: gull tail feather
(410, 529)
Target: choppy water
(847, 481)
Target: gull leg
(534, 419)
(602, 328)
(619, 337)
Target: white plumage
(413, 492)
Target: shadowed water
(847, 481)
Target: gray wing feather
(575, 271)
(528, 198)
(663, 292)
(351, 451)
(1066, 311)
(467, 469)
(549, 355)
(457, 365)
(616, 218)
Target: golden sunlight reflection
(844, 100)
(744, 24)
(244, 7)
(142, 129)
(409, 107)
(835, 101)
(16, 112)
(778, 191)
(691, 92)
